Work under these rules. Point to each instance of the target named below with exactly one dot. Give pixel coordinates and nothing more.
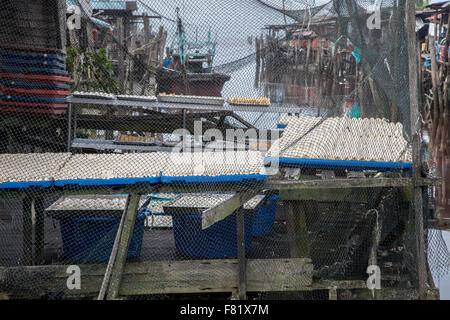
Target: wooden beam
(39, 235)
(168, 277)
(125, 237)
(60, 12)
(112, 258)
(347, 183)
(227, 207)
(27, 224)
(242, 262)
(415, 132)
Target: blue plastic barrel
(92, 239)
(216, 242)
(265, 217)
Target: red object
(36, 93)
(33, 109)
(36, 50)
(34, 77)
(33, 105)
(54, 113)
(95, 34)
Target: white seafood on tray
(343, 138)
(110, 166)
(173, 98)
(31, 166)
(93, 95)
(214, 163)
(136, 98)
(258, 101)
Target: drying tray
(35, 92)
(73, 183)
(249, 104)
(33, 70)
(249, 178)
(38, 63)
(192, 99)
(136, 98)
(34, 77)
(47, 110)
(32, 99)
(340, 164)
(34, 85)
(38, 54)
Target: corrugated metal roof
(342, 139)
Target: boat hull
(198, 84)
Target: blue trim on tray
(26, 184)
(343, 164)
(32, 70)
(281, 126)
(31, 62)
(26, 99)
(33, 85)
(28, 55)
(107, 182)
(250, 178)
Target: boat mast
(181, 36)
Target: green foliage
(420, 4)
(94, 68)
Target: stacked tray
(191, 99)
(33, 82)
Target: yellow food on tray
(244, 100)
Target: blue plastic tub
(91, 239)
(216, 242)
(265, 217)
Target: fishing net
(248, 149)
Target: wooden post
(125, 237)
(60, 9)
(415, 131)
(39, 238)
(258, 62)
(308, 52)
(121, 54)
(290, 226)
(27, 231)
(242, 262)
(112, 258)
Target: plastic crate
(216, 242)
(91, 240)
(265, 217)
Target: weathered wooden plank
(227, 207)
(347, 183)
(328, 195)
(27, 225)
(39, 231)
(113, 255)
(416, 147)
(242, 262)
(165, 277)
(125, 237)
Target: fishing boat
(188, 67)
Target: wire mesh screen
(247, 149)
